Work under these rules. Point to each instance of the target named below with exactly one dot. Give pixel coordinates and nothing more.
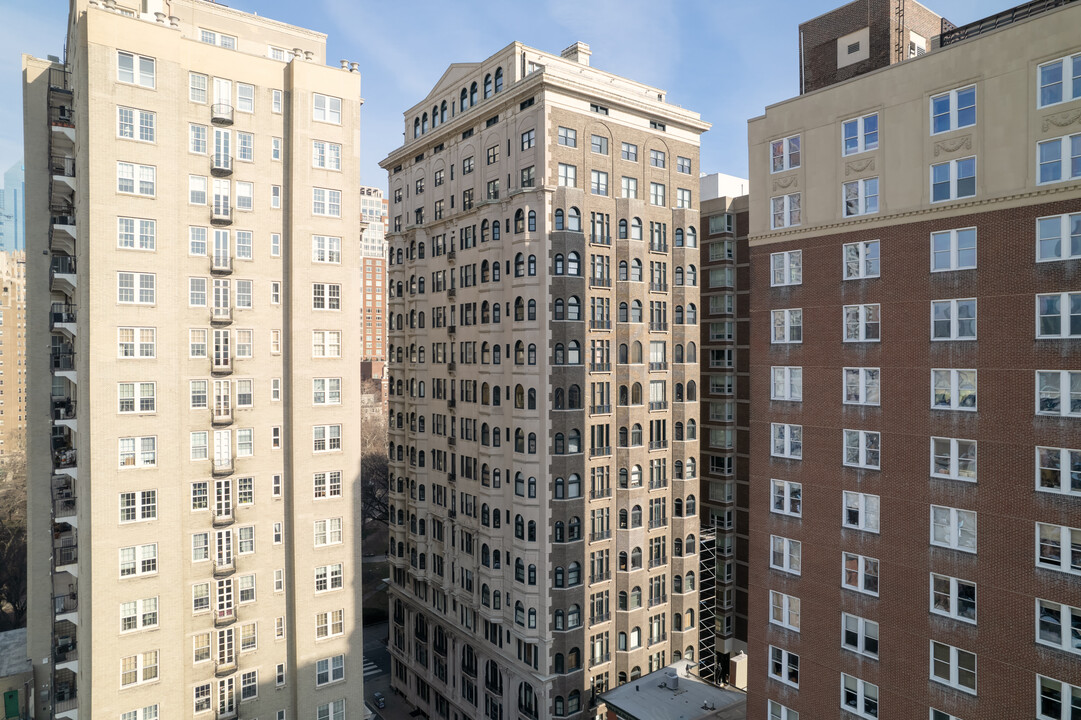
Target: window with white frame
(683, 198)
(1057, 625)
(139, 614)
(326, 438)
(245, 442)
(1058, 548)
(859, 635)
(568, 175)
(568, 137)
(953, 250)
(245, 588)
(135, 69)
(629, 187)
(329, 624)
(859, 573)
(598, 182)
(787, 383)
(139, 560)
(784, 610)
(953, 110)
(333, 710)
(953, 319)
(1056, 700)
(953, 666)
(215, 38)
(657, 194)
(861, 511)
(138, 506)
(248, 637)
(326, 109)
(862, 386)
(197, 343)
(953, 528)
(326, 155)
(861, 260)
(244, 245)
(953, 180)
(326, 343)
(245, 147)
(786, 268)
(327, 484)
(275, 244)
(276, 149)
(863, 323)
(197, 239)
(136, 342)
(139, 669)
(245, 195)
(245, 393)
(787, 441)
(1058, 159)
(244, 294)
(326, 296)
(245, 540)
(953, 459)
(133, 179)
(197, 190)
(784, 154)
(862, 449)
(1059, 81)
(136, 397)
(135, 124)
(326, 249)
(1058, 315)
(326, 391)
(859, 697)
(953, 597)
(777, 711)
(197, 84)
(784, 666)
(786, 497)
(245, 98)
(276, 101)
(785, 211)
(785, 554)
(1058, 237)
(953, 389)
(328, 577)
(860, 197)
(200, 548)
(329, 670)
(787, 326)
(199, 445)
(859, 134)
(1056, 470)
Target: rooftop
(13, 658)
(651, 698)
(994, 22)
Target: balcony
(600, 409)
(655, 366)
(601, 577)
(598, 536)
(221, 114)
(600, 282)
(62, 227)
(600, 324)
(224, 617)
(64, 456)
(452, 366)
(62, 169)
(62, 274)
(600, 451)
(221, 316)
(224, 567)
(63, 411)
(451, 255)
(65, 605)
(223, 517)
(658, 247)
(62, 357)
(221, 213)
(65, 648)
(221, 264)
(599, 659)
(222, 468)
(62, 319)
(65, 548)
(222, 417)
(452, 441)
(658, 287)
(657, 562)
(226, 667)
(658, 404)
(64, 508)
(660, 638)
(221, 164)
(658, 523)
(600, 367)
(658, 444)
(226, 713)
(600, 494)
(451, 329)
(223, 363)
(658, 327)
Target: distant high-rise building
(544, 389)
(915, 379)
(12, 353)
(373, 208)
(194, 279)
(13, 210)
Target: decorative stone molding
(1062, 119)
(858, 166)
(786, 182)
(949, 146)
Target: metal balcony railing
(952, 35)
(221, 164)
(60, 80)
(62, 357)
(661, 365)
(221, 212)
(221, 264)
(222, 468)
(658, 404)
(65, 603)
(221, 114)
(600, 409)
(61, 313)
(658, 444)
(658, 326)
(62, 165)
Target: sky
(725, 59)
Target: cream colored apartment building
(543, 377)
(12, 352)
(194, 214)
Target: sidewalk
(397, 708)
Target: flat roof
(13, 659)
(649, 698)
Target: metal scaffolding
(707, 593)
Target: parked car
(380, 700)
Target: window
(785, 554)
(245, 150)
(598, 182)
(1059, 81)
(862, 323)
(138, 506)
(197, 241)
(953, 180)
(326, 438)
(683, 165)
(326, 155)
(248, 637)
(326, 249)
(859, 635)
(860, 573)
(1058, 315)
(859, 696)
(245, 195)
(862, 386)
(953, 390)
(787, 441)
(598, 144)
(139, 560)
(243, 294)
(246, 588)
(863, 449)
(199, 447)
(529, 139)
(953, 528)
(786, 268)
(139, 614)
(326, 296)
(787, 383)
(786, 497)
(328, 484)
(953, 459)
(568, 175)
(136, 397)
(784, 610)
(1059, 159)
(629, 187)
(953, 598)
(249, 685)
(137, 669)
(683, 199)
(861, 260)
(953, 110)
(787, 326)
(492, 158)
(953, 319)
(1058, 237)
(528, 180)
(326, 391)
(861, 511)
(245, 98)
(784, 154)
(333, 710)
(138, 451)
(953, 666)
(276, 100)
(953, 250)
(136, 342)
(784, 666)
(860, 197)
(200, 548)
(197, 188)
(780, 712)
(132, 179)
(1057, 700)
(329, 624)
(134, 69)
(656, 194)
(197, 84)
(326, 109)
(133, 124)
(567, 137)
(785, 211)
(1058, 392)
(467, 166)
(859, 134)
(326, 343)
(329, 670)
(328, 577)
(328, 532)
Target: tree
(373, 463)
(13, 542)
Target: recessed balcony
(62, 319)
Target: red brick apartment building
(915, 464)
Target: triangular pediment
(451, 81)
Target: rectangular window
(955, 179)
(778, 711)
(197, 190)
(859, 696)
(326, 202)
(859, 635)
(245, 150)
(787, 441)
(786, 268)
(953, 319)
(528, 180)
(139, 560)
(326, 155)
(629, 187)
(326, 296)
(245, 195)
(953, 390)
(197, 84)
(138, 506)
(243, 294)
(787, 326)
(629, 151)
(136, 342)
(1058, 315)
(200, 547)
(785, 211)
(953, 250)
(953, 110)
(244, 442)
(326, 109)
(683, 165)
(953, 598)
(568, 175)
(862, 386)
(1057, 700)
(859, 573)
(567, 137)
(861, 511)
(953, 666)
(1058, 237)
(861, 260)
(197, 343)
(1059, 159)
(132, 179)
(860, 197)
(1059, 81)
(656, 194)
(785, 554)
(327, 484)
(787, 383)
(863, 449)
(787, 498)
(328, 577)
(134, 124)
(953, 459)
(784, 610)
(784, 154)
(1058, 548)
(329, 624)
(1058, 393)
(656, 158)
(197, 135)
(248, 637)
(199, 446)
(862, 323)
(328, 532)
(598, 144)
(859, 134)
(1056, 470)
(245, 98)
(326, 249)
(326, 438)
(326, 391)
(138, 451)
(135, 69)
(197, 239)
(784, 666)
(529, 139)
(598, 182)
(138, 669)
(326, 343)
(329, 670)
(276, 101)
(953, 528)
(136, 397)
(246, 588)
(683, 198)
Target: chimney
(579, 52)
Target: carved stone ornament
(786, 182)
(1061, 119)
(858, 166)
(949, 146)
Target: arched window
(473, 94)
(519, 353)
(519, 440)
(519, 309)
(677, 621)
(692, 237)
(574, 528)
(636, 229)
(532, 443)
(574, 264)
(691, 505)
(677, 584)
(636, 435)
(623, 274)
(677, 355)
(557, 618)
(559, 444)
(443, 112)
(678, 273)
(463, 100)
(679, 237)
(636, 476)
(692, 275)
(689, 545)
(574, 486)
(574, 308)
(623, 519)
(532, 226)
(498, 79)
(689, 583)
(487, 86)
(531, 404)
(636, 394)
(622, 229)
(574, 353)
(574, 701)
(677, 469)
(574, 442)
(692, 314)
(558, 532)
(558, 309)
(692, 391)
(636, 353)
(574, 575)
(558, 354)
(636, 311)
(558, 221)
(519, 265)
(519, 220)
(692, 429)
(574, 220)
(519, 397)
(623, 482)
(557, 399)
(623, 356)
(636, 520)
(690, 468)
(574, 398)
(495, 236)
(623, 436)
(677, 547)
(623, 314)
(484, 233)
(531, 266)
(416, 134)
(424, 123)
(679, 315)
(678, 432)
(558, 578)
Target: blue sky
(726, 59)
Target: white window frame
(136, 124)
(143, 507)
(1064, 315)
(782, 326)
(863, 696)
(862, 575)
(952, 595)
(1064, 539)
(1068, 619)
(777, 711)
(1067, 79)
(784, 610)
(1069, 149)
(567, 175)
(950, 308)
(866, 380)
(955, 250)
(198, 136)
(782, 660)
(326, 622)
(329, 670)
(147, 668)
(326, 249)
(326, 341)
(954, 668)
(1068, 237)
(786, 498)
(953, 378)
(137, 175)
(790, 209)
(657, 194)
(1064, 690)
(1064, 470)
(859, 124)
(785, 432)
(326, 155)
(785, 149)
(953, 112)
(867, 509)
(326, 108)
(141, 391)
(791, 554)
(330, 577)
(245, 98)
(143, 608)
(862, 324)
(952, 521)
(954, 167)
(955, 459)
(786, 383)
(138, 343)
(276, 102)
(325, 201)
(786, 268)
(863, 260)
(325, 390)
(327, 484)
(863, 631)
(141, 555)
(139, 74)
(629, 187)
(866, 189)
(197, 94)
(862, 446)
